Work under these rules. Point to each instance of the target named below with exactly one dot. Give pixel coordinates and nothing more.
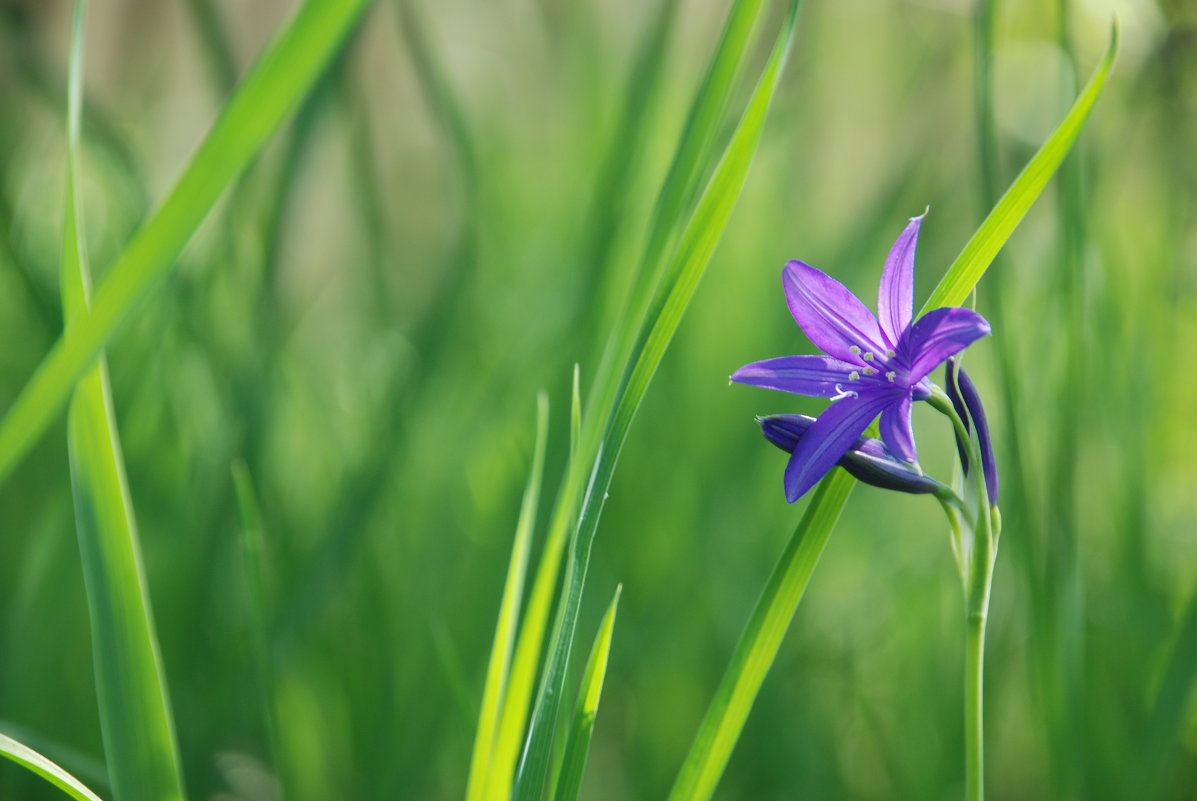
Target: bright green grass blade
(134, 712)
(28, 758)
(695, 155)
(135, 718)
(509, 614)
(984, 245)
(690, 259)
(754, 654)
(577, 744)
(281, 76)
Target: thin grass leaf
(509, 614)
(281, 76)
(135, 718)
(26, 757)
(577, 745)
(984, 245)
(754, 654)
(693, 253)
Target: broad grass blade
(984, 245)
(687, 265)
(26, 757)
(281, 76)
(509, 614)
(754, 654)
(135, 717)
(577, 744)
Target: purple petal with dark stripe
(867, 460)
(896, 430)
(829, 437)
(895, 299)
(829, 314)
(936, 335)
(816, 376)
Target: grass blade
(28, 758)
(281, 76)
(984, 245)
(509, 613)
(689, 261)
(135, 717)
(754, 654)
(577, 744)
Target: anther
(855, 350)
(868, 357)
(855, 376)
(870, 370)
(891, 375)
(889, 354)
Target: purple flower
(874, 365)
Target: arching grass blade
(984, 245)
(28, 758)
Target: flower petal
(895, 299)
(816, 376)
(896, 430)
(830, 436)
(867, 460)
(829, 314)
(938, 334)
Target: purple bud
(867, 460)
(972, 401)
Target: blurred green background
(442, 230)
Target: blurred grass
(396, 443)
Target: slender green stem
(975, 560)
(974, 734)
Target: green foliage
(470, 200)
